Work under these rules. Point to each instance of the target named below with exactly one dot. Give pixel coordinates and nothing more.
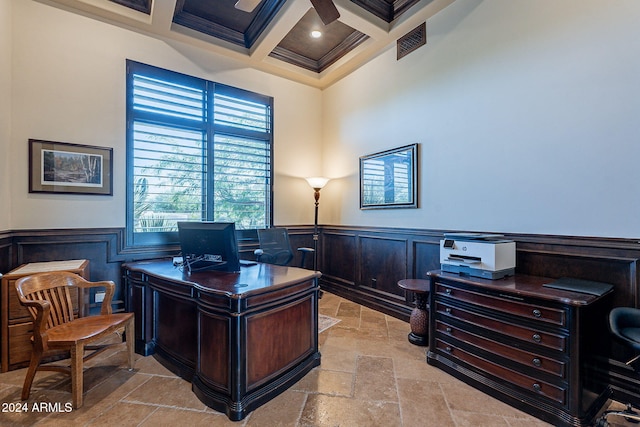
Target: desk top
(253, 279)
(525, 286)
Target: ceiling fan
(327, 11)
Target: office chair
(624, 323)
(275, 247)
(47, 296)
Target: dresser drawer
(17, 312)
(524, 343)
(501, 374)
(507, 304)
(15, 320)
(20, 343)
(535, 361)
(531, 335)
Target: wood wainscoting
(364, 264)
(103, 247)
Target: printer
(489, 256)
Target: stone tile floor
(370, 376)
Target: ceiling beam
(162, 15)
(159, 24)
(278, 28)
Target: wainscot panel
(104, 248)
(363, 264)
(607, 260)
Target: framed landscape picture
(59, 167)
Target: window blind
(197, 150)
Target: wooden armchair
(47, 297)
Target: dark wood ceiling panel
(316, 54)
(388, 10)
(220, 19)
(299, 39)
(221, 12)
(381, 8)
(325, 61)
(143, 6)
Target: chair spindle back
(57, 292)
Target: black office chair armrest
(624, 323)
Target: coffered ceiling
(275, 36)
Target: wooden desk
(531, 346)
(16, 326)
(240, 338)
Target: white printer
(489, 256)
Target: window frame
(208, 128)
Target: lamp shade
(317, 182)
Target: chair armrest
(42, 309)
(307, 250)
(109, 286)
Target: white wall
(5, 110)
(527, 114)
(69, 85)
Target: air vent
(412, 40)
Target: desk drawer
(531, 335)
(507, 305)
(501, 374)
(535, 361)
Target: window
(196, 151)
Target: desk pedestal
(241, 339)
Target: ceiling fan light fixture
(327, 10)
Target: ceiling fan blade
(247, 5)
(327, 11)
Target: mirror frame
(386, 162)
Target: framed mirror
(388, 179)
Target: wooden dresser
(16, 327)
(528, 345)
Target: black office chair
(275, 247)
(624, 323)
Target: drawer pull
(448, 349)
(537, 337)
(447, 310)
(447, 291)
(537, 313)
(537, 387)
(537, 362)
(448, 329)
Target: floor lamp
(316, 183)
